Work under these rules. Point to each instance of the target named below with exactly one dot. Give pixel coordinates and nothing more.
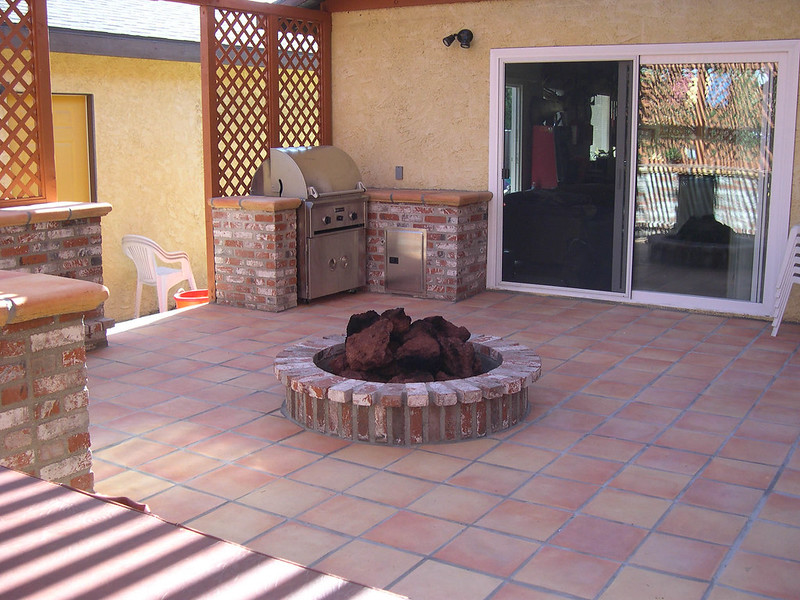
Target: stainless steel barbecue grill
(331, 235)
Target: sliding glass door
(564, 194)
(704, 151)
(651, 174)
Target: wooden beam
(258, 7)
(346, 5)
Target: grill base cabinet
(405, 261)
(331, 263)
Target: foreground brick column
(44, 417)
(255, 252)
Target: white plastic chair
(789, 274)
(144, 252)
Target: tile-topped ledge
(269, 204)
(28, 296)
(429, 197)
(52, 211)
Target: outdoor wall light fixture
(464, 38)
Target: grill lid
(307, 171)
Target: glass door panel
(565, 173)
(705, 138)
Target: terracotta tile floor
(660, 458)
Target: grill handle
(313, 193)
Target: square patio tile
(487, 552)
(368, 564)
(297, 542)
(556, 492)
(703, 524)
(230, 481)
(600, 537)
(490, 478)
(568, 572)
(342, 514)
(524, 519)
(427, 465)
(285, 497)
(433, 580)
(391, 489)
(626, 507)
(772, 577)
(455, 504)
(414, 532)
(633, 582)
(234, 522)
(332, 474)
(773, 539)
(680, 556)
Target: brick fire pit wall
(409, 413)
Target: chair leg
(138, 300)
(162, 296)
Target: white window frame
(786, 53)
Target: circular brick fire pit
(399, 414)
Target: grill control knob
(353, 216)
(326, 220)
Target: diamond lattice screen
(266, 88)
(300, 109)
(20, 144)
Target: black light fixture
(464, 38)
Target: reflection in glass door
(565, 192)
(705, 137)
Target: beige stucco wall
(402, 98)
(149, 154)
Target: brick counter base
(255, 252)
(456, 225)
(408, 413)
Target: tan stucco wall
(402, 98)
(149, 153)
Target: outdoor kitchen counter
(57, 542)
(429, 197)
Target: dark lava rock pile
(389, 348)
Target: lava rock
(391, 348)
(369, 348)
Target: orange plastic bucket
(191, 298)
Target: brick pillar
(44, 417)
(60, 238)
(255, 252)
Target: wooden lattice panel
(242, 97)
(300, 108)
(22, 168)
(266, 81)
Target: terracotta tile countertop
(428, 197)
(57, 542)
(28, 296)
(52, 211)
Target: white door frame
(786, 53)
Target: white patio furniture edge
(144, 252)
(789, 275)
